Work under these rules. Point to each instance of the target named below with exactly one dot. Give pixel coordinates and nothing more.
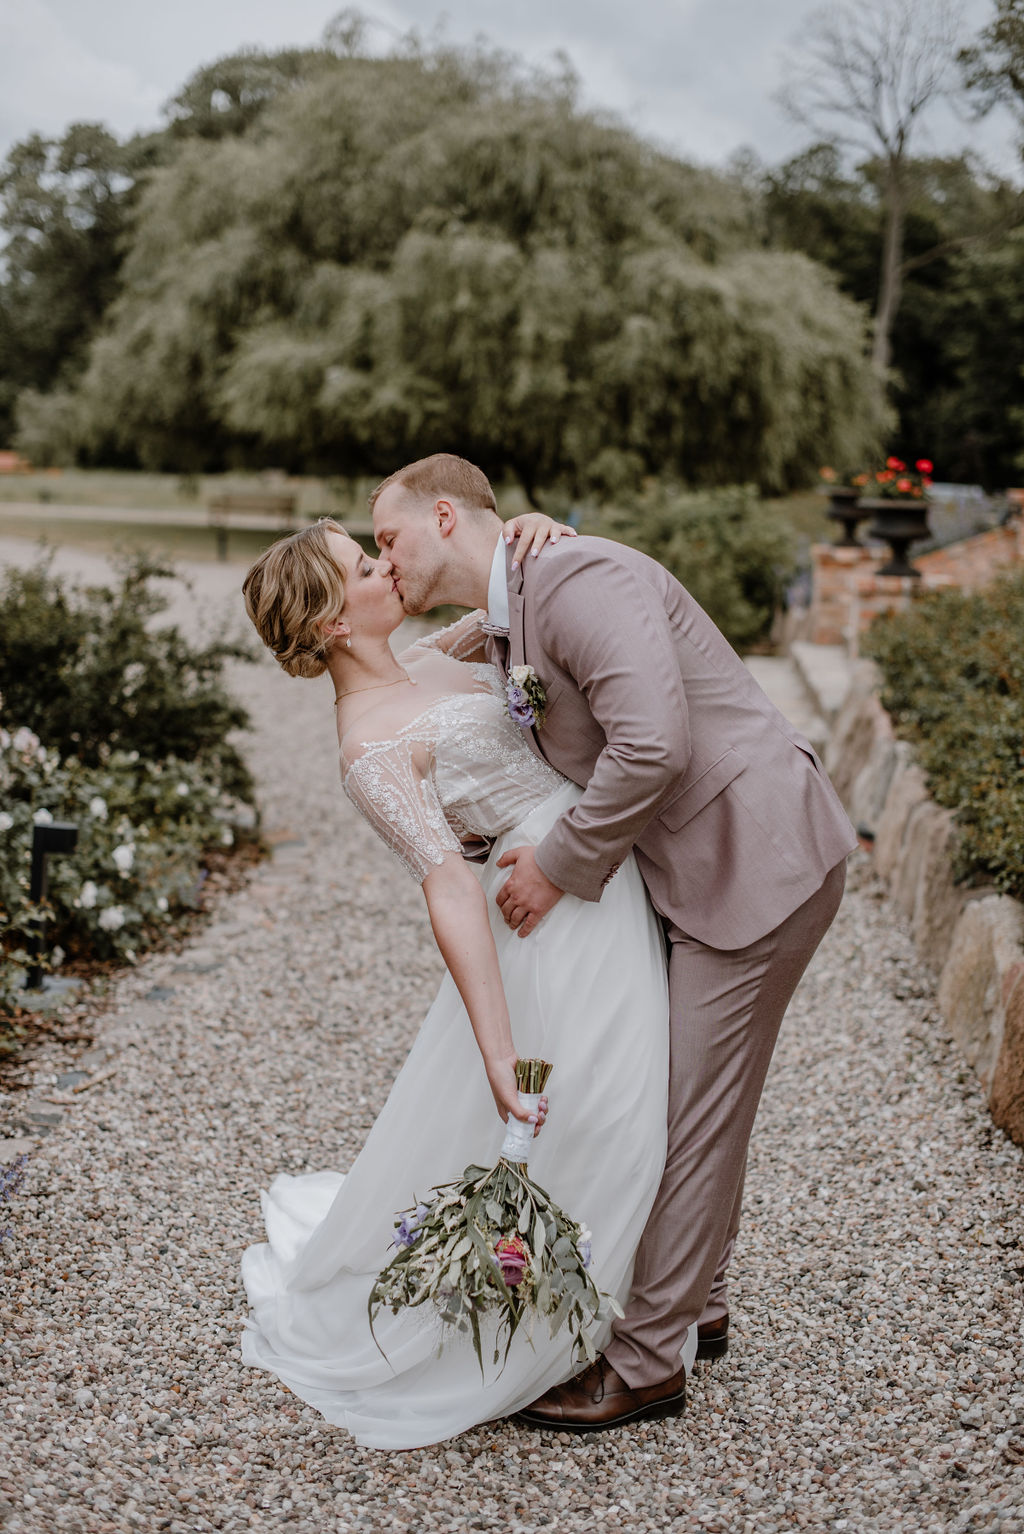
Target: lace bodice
(450, 766)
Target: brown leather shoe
(598, 1399)
(713, 1339)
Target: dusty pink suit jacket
(682, 757)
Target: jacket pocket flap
(702, 790)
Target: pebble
(873, 1377)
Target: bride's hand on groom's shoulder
(534, 529)
(527, 894)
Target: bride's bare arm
(458, 915)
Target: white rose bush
(155, 807)
(139, 862)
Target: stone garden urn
(899, 522)
(845, 507)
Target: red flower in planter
(924, 466)
(895, 463)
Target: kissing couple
(665, 854)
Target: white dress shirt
(497, 588)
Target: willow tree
(435, 249)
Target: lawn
(25, 497)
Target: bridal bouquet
(494, 1243)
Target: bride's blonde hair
(292, 590)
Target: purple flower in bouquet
(408, 1227)
(464, 1253)
(512, 1258)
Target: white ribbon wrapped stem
(519, 1136)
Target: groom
(738, 833)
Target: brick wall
(847, 594)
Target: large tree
(994, 64)
(436, 248)
(62, 213)
(864, 76)
(956, 381)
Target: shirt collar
(497, 588)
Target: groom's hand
(527, 894)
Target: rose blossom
(112, 918)
(124, 857)
(512, 1258)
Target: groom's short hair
(443, 474)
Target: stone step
(777, 676)
(825, 671)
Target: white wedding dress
(587, 990)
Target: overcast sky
(696, 75)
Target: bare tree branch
(862, 76)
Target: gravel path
(874, 1378)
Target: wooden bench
(271, 505)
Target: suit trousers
(726, 1012)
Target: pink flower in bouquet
(513, 1258)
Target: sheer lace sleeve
(462, 640)
(391, 786)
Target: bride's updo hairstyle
(292, 590)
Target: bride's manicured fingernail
(515, 564)
(535, 552)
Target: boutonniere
(526, 699)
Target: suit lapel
(517, 641)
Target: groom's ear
(446, 516)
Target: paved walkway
(874, 1378)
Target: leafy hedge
(731, 551)
(953, 669)
(86, 671)
(124, 732)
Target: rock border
(970, 939)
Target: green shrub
(123, 731)
(953, 670)
(84, 669)
(144, 830)
(730, 550)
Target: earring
(348, 644)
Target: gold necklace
(375, 687)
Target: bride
(431, 758)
